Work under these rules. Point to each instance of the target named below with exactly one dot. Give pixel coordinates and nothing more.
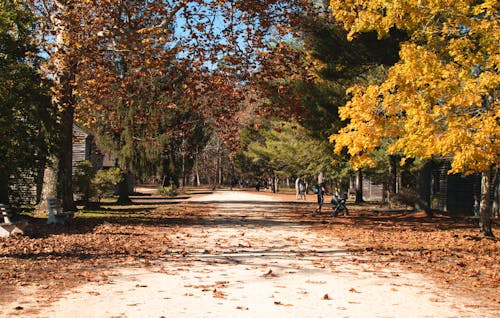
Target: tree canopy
(441, 98)
(26, 115)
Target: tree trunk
(64, 65)
(65, 175)
(183, 183)
(495, 209)
(485, 205)
(50, 183)
(385, 192)
(219, 168)
(198, 182)
(123, 193)
(393, 178)
(196, 170)
(359, 186)
(231, 176)
(423, 201)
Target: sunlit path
(258, 260)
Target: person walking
(321, 191)
(302, 189)
(297, 192)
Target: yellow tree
(441, 98)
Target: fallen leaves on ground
(61, 257)
(218, 294)
(444, 247)
(57, 257)
(269, 274)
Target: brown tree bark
(423, 201)
(485, 205)
(65, 180)
(393, 178)
(359, 186)
(49, 185)
(123, 190)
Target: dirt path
(250, 258)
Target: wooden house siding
(25, 187)
(371, 190)
(85, 148)
(454, 193)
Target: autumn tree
(185, 134)
(142, 61)
(320, 67)
(26, 115)
(58, 24)
(113, 51)
(128, 79)
(441, 98)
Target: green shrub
(82, 180)
(168, 191)
(105, 182)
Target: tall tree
(333, 64)
(143, 62)
(114, 50)
(286, 149)
(441, 98)
(59, 24)
(26, 116)
(128, 77)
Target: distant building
(371, 190)
(454, 193)
(26, 188)
(450, 193)
(85, 148)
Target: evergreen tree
(336, 64)
(26, 115)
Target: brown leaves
(269, 274)
(61, 257)
(440, 246)
(218, 294)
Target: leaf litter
(87, 250)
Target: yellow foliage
(441, 98)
